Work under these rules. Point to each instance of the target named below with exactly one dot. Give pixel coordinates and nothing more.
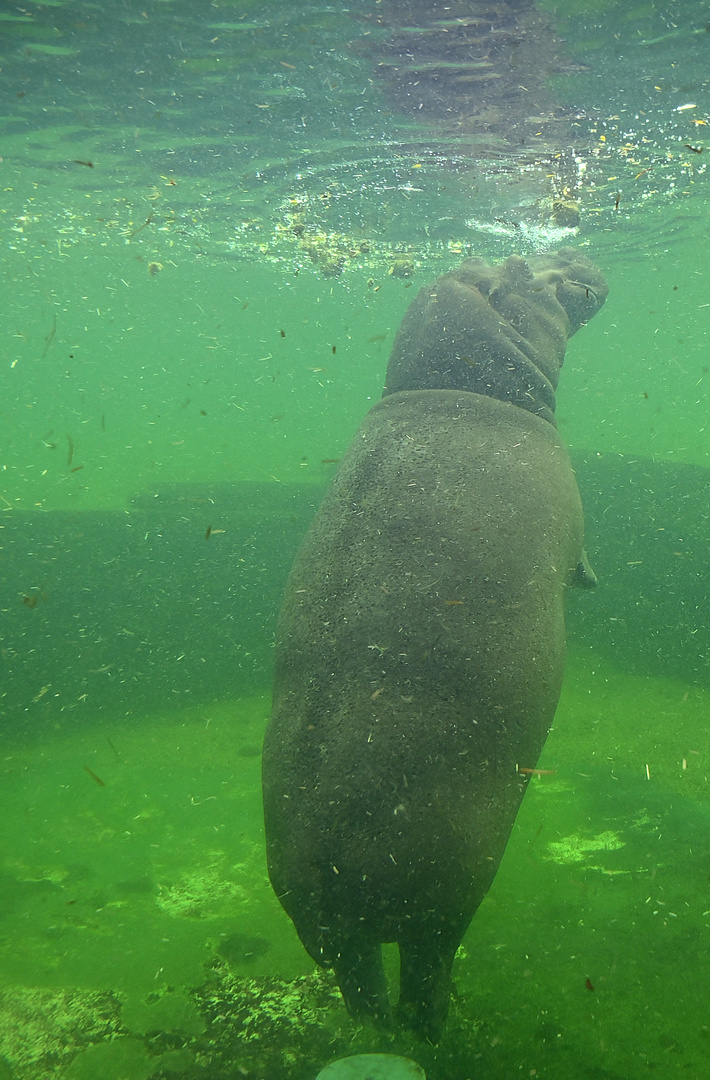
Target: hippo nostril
(588, 290)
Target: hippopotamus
(420, 649)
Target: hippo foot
(425, 985)
(362, 982)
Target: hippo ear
(583, 576)
(516, 274)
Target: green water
(121, 900)
(194, 325)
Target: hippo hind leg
(361, 978)
(425, 985)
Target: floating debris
(94, 777)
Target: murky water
(213, 219)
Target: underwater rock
(243, 948)
(420, 648)
(167, 1011)
(116, 1060)
(372, 1067)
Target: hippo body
(419, 662)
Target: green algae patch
(577, 849)
(41, 1029)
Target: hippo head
(497, 330)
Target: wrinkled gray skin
(421, 644)
(499, 330)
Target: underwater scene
(227, 227)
